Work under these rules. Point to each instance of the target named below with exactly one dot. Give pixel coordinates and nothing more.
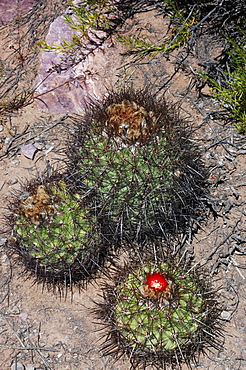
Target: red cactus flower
(156, 281)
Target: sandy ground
(41, 330)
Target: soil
(43, 330)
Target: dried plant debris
(56, 233)
(160, 310)
(134, 152)
(190, 20)
(5, 271)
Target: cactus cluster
(137, 179)
(134, 151)
(159, 313)
(56, 232)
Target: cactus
(56, 233)
(161, 313)
(134, 151)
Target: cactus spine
(159, 312)
(161, 319)
(134, 151)
(56, 233)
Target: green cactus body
(133, 180)
(162, 324)
(135, 154)
(55, 230)
(159, 310)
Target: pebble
(17, 366)
(28, 151)
(14, 310)
(23, 315)
(15, 162)
(200, 105)
(1, 128)
(57, 156)
(12, 181)
(39, 145)
(30, 367)
(225, 315)
(3, 241)
(7, 140)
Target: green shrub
(231, 90)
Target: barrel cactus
(134, 151)
(56, 233)
(159, 313)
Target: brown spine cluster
(37, 205)
(130, 121)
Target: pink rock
(23, 315)
(51, 83)
(10, 9)
(28, 151)
(61, 87)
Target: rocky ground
(42, 330)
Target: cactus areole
(157, 307)
(56, 233)
(160, 313)
(156, 281)
(133, 151)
